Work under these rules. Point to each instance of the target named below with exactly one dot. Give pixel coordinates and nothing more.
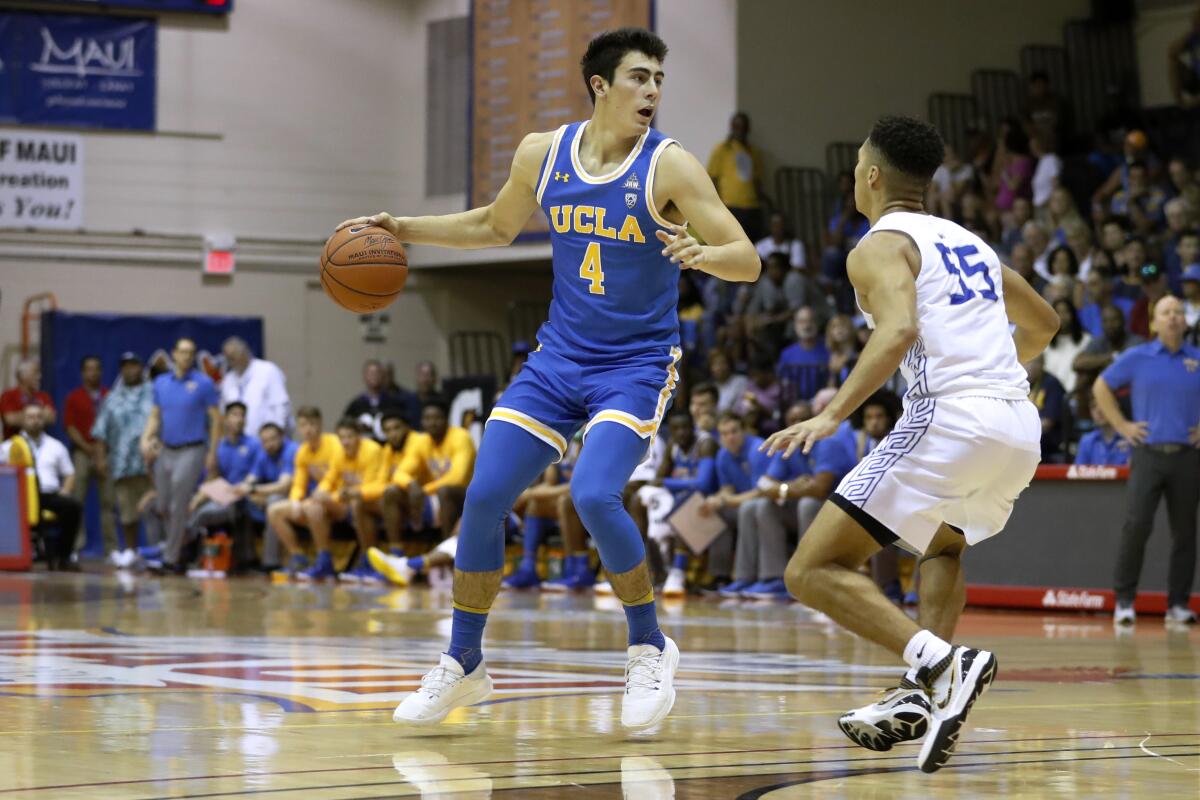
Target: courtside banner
(80, 71)
(41, 180)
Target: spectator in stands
(736, 169)
(1035, 235)
(1078, 237)
(117, 433)
(1154, 287)
(369, 407)
(1103, 350)
(1048, 395)
(767, 311)
(974, 217)
(1012, 168)
(1064, 269)
(780, 240)
(79, 415)
(1164, 381)
(1191, 301)
(804, 365)
(55, 477)
(1060, 212)
(1133, 257)
(314, 458)
(1135, 150)
(841, 340)
(268, 483)
(788, 499)
(236, 454)
(740, 465)
(28, 390)
(1184, 185)
(1114, 234)
(846, 226)
(702, 404)
(691, 319)
(1045, 109)
(1045, 173)
(185, 420)
(950, 182)
(258, 384)
(1098, 290)
(1014, 224)
(1141, 201)
(1102, 446)
(1069, 342)
(355, 465)
(730, 385)
(761, 398)
(1021, 260)
(439, 466)
(1183, 63)
(428, 387)
(1180, 242)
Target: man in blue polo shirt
(236, 455)
(739, 467)
(181, 439)
(1164, 381)
(1102, 446)
(269, 481)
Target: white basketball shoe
(443, 689)
(899, 715)
(649, 684)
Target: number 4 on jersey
(966, 269)
(591, 270)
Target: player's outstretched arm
(1036, 320)
(682, 181)
(882, 268)
(489, 226)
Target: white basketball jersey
(964, 345)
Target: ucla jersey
(685, 463)
(614, 291)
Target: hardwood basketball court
(139, 688)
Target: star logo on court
(562, 176)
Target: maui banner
(41, 180)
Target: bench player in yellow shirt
(313, 458)
(357, 464)
(387, 497)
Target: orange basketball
(363, 268)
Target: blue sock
(417, 563)
(643, 624)
(579, 564)
(534, 530)
(466, 639)
(680, 562)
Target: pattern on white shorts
(860, 484)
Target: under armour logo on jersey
(562, 176)
(632, 181)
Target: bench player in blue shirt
(617, 193)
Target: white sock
(924, 650)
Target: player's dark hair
(309, 412)
(83, 361)
(392, 414)
(349, 423)
(235, 404)
(270, 426)
(912, 147)
(438, 403)
(729, 416)
(605, 52)
(885, 399)
(681, 416)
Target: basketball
(363, 268)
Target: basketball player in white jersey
(940, 304)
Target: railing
(801, 195)
(999, 94)
(954, 115)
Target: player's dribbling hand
(382, 219)
(681, 247)
(801, 436)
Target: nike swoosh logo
(920, 652)
(941, 704)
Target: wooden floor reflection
(171, 688)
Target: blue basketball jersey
(615, 294)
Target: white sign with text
(41, 180)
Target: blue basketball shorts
(555, 394)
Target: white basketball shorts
(958, 460)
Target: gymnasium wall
(1155, 28)
(811, 73)
(274, 125)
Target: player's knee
(594, 502)
(487, 497)
(796, 577)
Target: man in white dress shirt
(56, 479)
(258, 383)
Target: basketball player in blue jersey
(617, 193)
